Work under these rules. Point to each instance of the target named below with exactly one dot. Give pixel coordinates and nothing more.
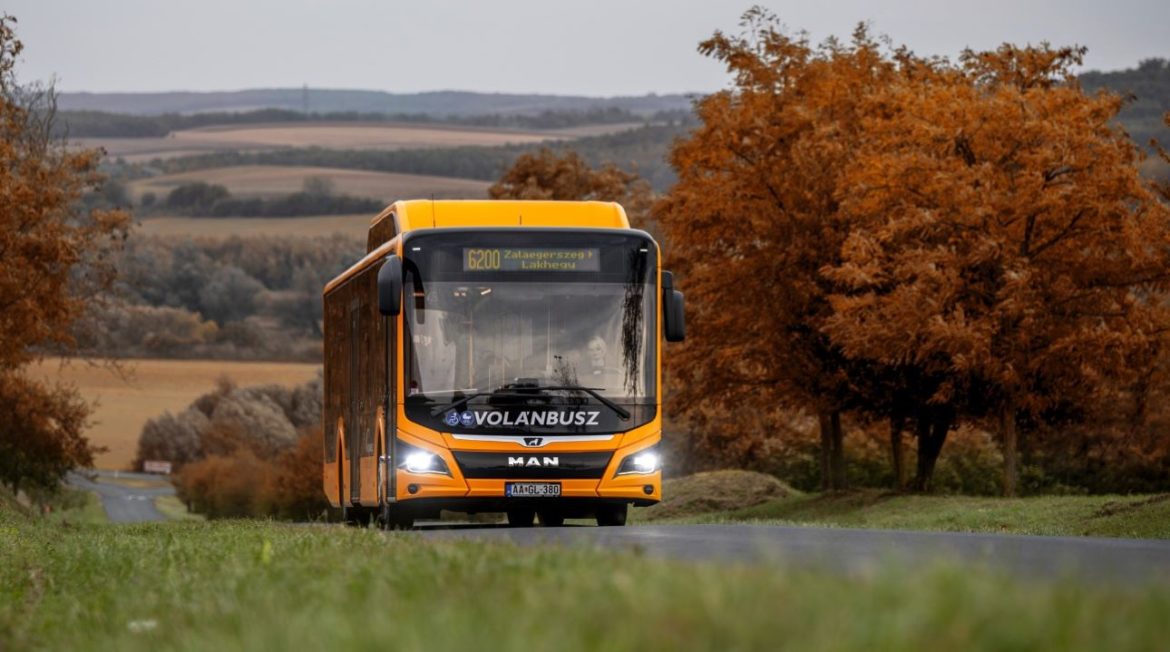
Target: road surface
(856, 551)
(124, 504)
(846, 550)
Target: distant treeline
(642, 150)
(1149, 87)
(255, 298)
(99, 124)
(210, 200)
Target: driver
(598, 371)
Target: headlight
(643, 462)
(415, 460)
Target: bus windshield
(526, 329)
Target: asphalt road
(856, 551)
(850, 551)
(124, 504)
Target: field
(239, 585)
(332, 135)
(224, 227)
(274, 180)
(151, 387)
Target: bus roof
(448, 213)
(414, 214)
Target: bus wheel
(551, 518)
(355, 516)
(612, 514)
(394, 519)
(521, 517)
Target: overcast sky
(594, 47)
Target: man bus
(497, 356)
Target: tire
(521, 517)
(551, 518)
(612, 515)
(355, 516)
(394, 519)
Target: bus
(497, 356)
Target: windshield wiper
(592, 391)
(460, 402)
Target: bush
(250, 451)
(224, 486)
(196, 197)
(174, 438)
(294, 488)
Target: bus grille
(524, 466)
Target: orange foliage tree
(55, 260)
(1002, 245)
(755, 217)
(544, 174)
(922, 241)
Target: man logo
(533, 442)
(542, 462)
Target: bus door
(353, 431)
(389, 400)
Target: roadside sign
(157, 466)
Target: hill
(438, 103)
(1149, 87)
(271, 181)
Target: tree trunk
(897, 456)
(838, 457)
(824, 420)
(934, 423)
(1007, 430)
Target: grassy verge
(256, 585)
(1109, 516)
(134, 483)
(174, 509)
(78, 506)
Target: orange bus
(497, 356)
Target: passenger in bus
(599, 373)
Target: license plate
(532, 489)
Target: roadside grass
(1142, 516)
(258, 585)
(713, 491)
(134, 483)
(174, 509)
(77, 506)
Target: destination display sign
(531, 259)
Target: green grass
(174, 509)
(257, 585)
(78, 506)
(1107, 516)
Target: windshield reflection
(478, 338)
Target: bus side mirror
(390, 286)
(674, 323)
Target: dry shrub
(175, 438)
(236, 482)
(222, 486)
(294, 489)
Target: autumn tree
(922, 241)
(545, 174)
(1002, 243)
(755, 217)
(56, 261)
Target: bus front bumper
(607, 485)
